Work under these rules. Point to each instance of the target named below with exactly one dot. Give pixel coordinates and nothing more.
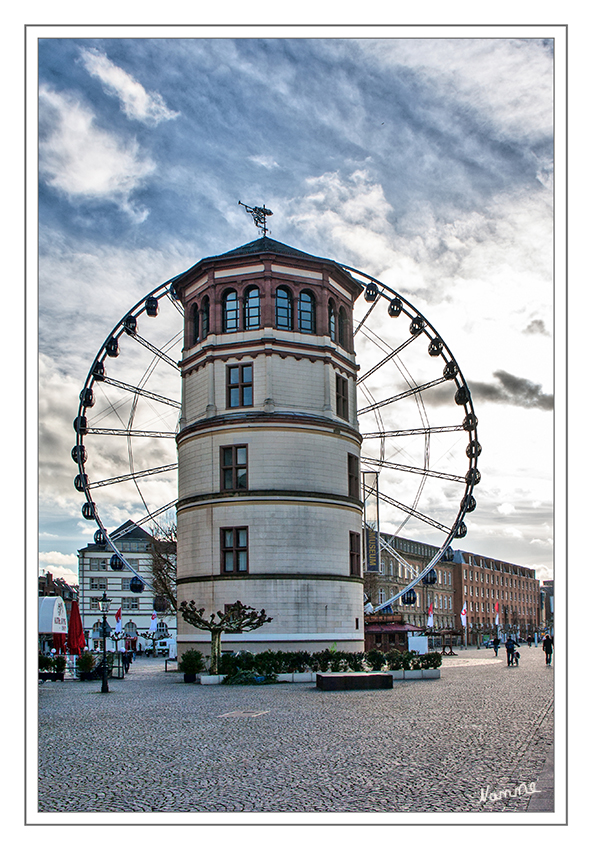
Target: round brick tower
(269, 509)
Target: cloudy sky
(425, 162)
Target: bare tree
(236, 618)
(164, 563)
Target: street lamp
(104, 607)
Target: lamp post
(104, 606)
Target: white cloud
(82, 161)
(57, 571)
(506, 509)
(508, 81)
(137, 103)
(266, 161)
(57, 558)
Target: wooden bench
(354, 681)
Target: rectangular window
(353, 474)
(239, 386)
(342, 397)
(234, 548)
(130, 603)
(354, 554)
(94, 603)
(233, 468)
(98, 583)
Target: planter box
(308, 676)
(362, 683)
(210, 680)
(354, 681)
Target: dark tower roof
(262, 245)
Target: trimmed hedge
(269, 663)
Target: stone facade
(96, 576)
(269, 509)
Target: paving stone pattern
(155, 744)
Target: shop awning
(381, 628)
(53, 620)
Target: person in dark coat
(548, 648)
(510, 647)
(496, 643)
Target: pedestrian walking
(510, 647)
(548, 649)
(496, 643)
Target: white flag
(118, 620)
(497, 613)
(431, 615)
(153, 622)
(463, 614)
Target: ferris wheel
(415, 413)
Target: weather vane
(259, 215)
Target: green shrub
(406, 660)
(295, 662)
(86, 662)
(59, 663)
(431, 661)
(376, 659)
(192, 661)
(415, 660)
(355, 661)
(250, 677)
(338, 661)
(269, 662)
(46, 662)
(320, 661)
(394, 659)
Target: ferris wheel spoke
(430, 473)
(386, 359)
(414, 513)
(362, 321)
(156, 351)
(142, 392)
(143, 473)
(413, 391)
(147, 517)
(129, 432)
(413, 432)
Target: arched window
(283, 308)
(252, 309)
(306, 313)
(342, 327)
(332, 321)
(194, 329)
(130, 629)
(205, 316)
(230, 311)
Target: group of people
(513, 655)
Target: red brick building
(482, 583)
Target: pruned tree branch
(237, 618)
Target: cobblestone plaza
(156, 745)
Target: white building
(269, 509)
(96, 575)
